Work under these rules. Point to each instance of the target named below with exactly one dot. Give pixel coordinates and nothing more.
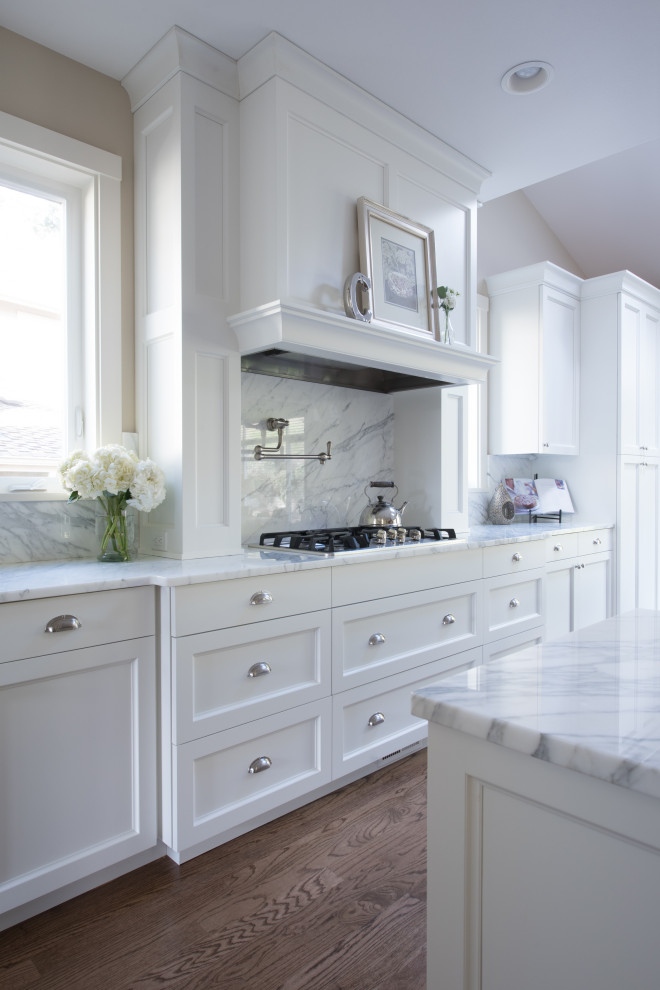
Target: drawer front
(512, 644)
(512, 606)
(367, 580)
(369, 725)
(561, 547)
(511, 558)
(214, 789)
(221, 604)
(236, 675)
(102, 617)
(596, 541)
(377, 639)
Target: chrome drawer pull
(516, 557)
(261, 763)
(597, 542)
(63, 623)
(376, 640)
(449, 619)
(514, 603)
(261, 598)
(259, 669)
(558, 547)
(376, 719)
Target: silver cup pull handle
(449, 619)
(516, 557)
(376, 640)
(260, 764)
(514, 603)
(259, 669)
(261, 598)
(376, 719)
(62, 623)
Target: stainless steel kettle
(380, 512)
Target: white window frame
(97, 173)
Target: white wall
(511, 233)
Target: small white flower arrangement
(114, 476)
(447, 301)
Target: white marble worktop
(589, 702)
(72, 576)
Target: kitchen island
(544, 815)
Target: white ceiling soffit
(440, 64)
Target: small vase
(115, 538)
(447, 335)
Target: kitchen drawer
(219, 604)
(104, 617)
(236, 675)
(595, 541)
(214, 789)
(375, 639)
(511, 558)
(369, 724)
(360, 581)
(512, 605)
(561, 547)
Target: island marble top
(589, 702)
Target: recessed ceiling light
(528, 77)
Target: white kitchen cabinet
(535, 333)
(78, 738)
(615, 479)
(513, 590)
(578, 582)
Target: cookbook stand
(535, 516)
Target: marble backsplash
(301, 494)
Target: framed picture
(398, 255)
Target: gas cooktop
(352, 539)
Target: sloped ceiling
(586, 149)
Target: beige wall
(45, 88)
(511, 233)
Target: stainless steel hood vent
(331, 371)
(297, 341)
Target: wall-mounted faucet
(262, 453)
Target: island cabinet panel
(78, 738)
(541, 877)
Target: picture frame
(398, 256)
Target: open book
(539, 495)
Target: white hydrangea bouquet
(114, 476)
(447, 301)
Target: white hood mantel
(292, 340)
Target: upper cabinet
(535, 334)
(640, 377)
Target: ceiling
(586, 149)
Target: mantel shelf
(329, 336)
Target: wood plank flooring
(329, 897)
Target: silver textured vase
(501, 509)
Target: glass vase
(447, 334)
(115, 543)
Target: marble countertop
(71, 576)
(589, 702)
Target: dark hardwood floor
(330, 897)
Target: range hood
(292, 340)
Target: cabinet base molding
(47, 901)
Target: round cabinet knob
(376, 640)
(558, 547)
(259, 669)
(62, 623)
(546, 444)
(449, 619)
(261, 598)
(260, 764)
(597, 541)
(376, 719)
(516, 557)
(514, 603)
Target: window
(60, 294)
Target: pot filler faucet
(263, 453)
